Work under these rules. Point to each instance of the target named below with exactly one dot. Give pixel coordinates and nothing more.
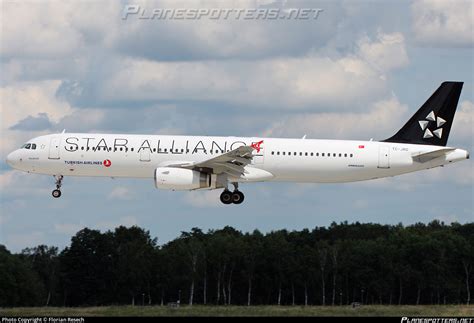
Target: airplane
(206, 163)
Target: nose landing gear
(57, 192)
(236, 197)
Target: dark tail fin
(431, 124)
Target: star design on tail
(431, 117)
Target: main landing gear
(236, 197)
(57, 192)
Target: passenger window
(182, 150)
(82, 148)
(273, 153)
(306, 154)
(301, 154)
(278, 153)
(322, 154)
(121, 148)
(345, 155)
(294, 153)
(317, 154)
(154, 150)
(131, 149)
(311, 154)
(351, 155)
(334, 155)
(166, 150)
(283, 153)
(340, 155)
(329, 154)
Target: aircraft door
(54, 148)
(384, 156)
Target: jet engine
(176, 179)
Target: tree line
(336, 265)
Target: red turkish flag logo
(256, 145)
(107, 163)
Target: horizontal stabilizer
(421, 157)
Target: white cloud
(387, 53)
(224, 38)
(127, 221)
(291, 83)
(443, 23)
(463, 124)
(21, 100)
(383, 119)
(15, 183)
(203, 199)
(120, 193)
(31, 99)
(56, 29)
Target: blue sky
(359, 71)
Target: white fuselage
(291, 160)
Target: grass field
(199, 310)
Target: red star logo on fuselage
(256, 145)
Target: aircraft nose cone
(12, 159)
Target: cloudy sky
(358, 71)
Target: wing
(426, 157)
(231, 163)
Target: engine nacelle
(170, 178)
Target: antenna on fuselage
(64, 131)
(304, 137)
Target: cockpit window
(28, 146)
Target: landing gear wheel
(237, 197)
(56, 193)
(226, 197)
(59, 181)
